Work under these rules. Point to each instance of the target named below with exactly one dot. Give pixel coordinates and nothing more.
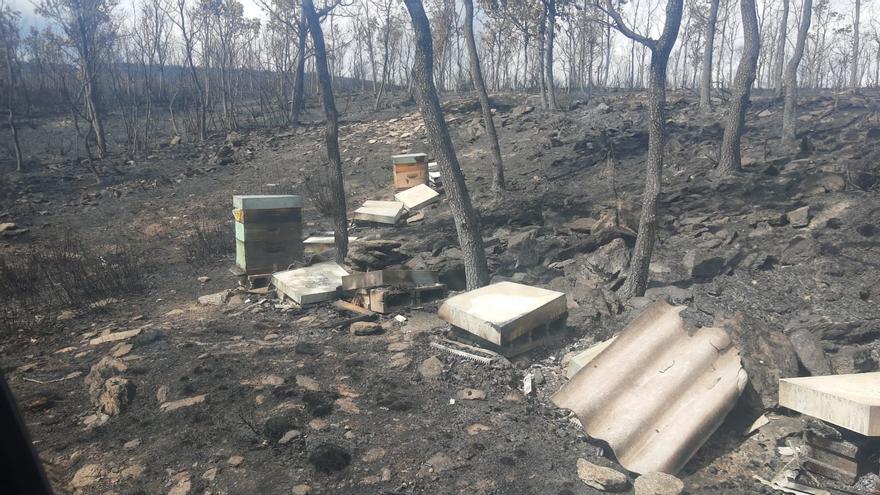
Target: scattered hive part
(311, 284)
(379, 211)
(409, 170)
(507, 317)
(849, 401)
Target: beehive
(409, 170)
(268, 232)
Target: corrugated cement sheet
(656, 393)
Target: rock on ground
(601, 478)
(657, 484)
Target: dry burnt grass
(128, 253)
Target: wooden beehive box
(268, 232)
(409, 170)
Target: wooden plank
(354, 308)
(378, 278)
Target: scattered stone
(113, 337)
(833, 183)
(472, 394)
(210, 474)
(374, 454)
(120, 350)
(477, 428)
(8, 226)
(307, 383)
(235, 460)
(289, 437)
(318, 424)
(162, 394)
(431, 368)
(179, 404)
(363, 328)
(134, 471)
(700, 264)
(799, 218)
(809, 352)
(347, 405)
(216, 299)
(584, 225)
(302, 490)
(204, 280)
(439, 463)
(183, 485)
(102, 370)
(132, 444)
(117, 395)
(601, 478)
(87, 475)
(657, 484)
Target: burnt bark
(729, 158)
(467, 223)
(854, 69)
(789, 112)
(10, 117)
(779, 65)
(340, 215)
(706, 77)
(640, 260)
(297, 103)
(480, 84)
(550, 87)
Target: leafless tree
(340, 215)
(729, 158)
(9, 38)
(89, 29)
(637, 281)
(854, 68)
(789, 117)
(706, 78)
(477, 75)
(467, 223)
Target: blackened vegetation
(68, 273)
(328, 458)
(210, 240)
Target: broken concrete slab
(503, 312)
(379, 278)
(379, 211)
(417, 197)
(849, 401)
(310, 284)
(657, 393)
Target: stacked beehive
(409, 170)
(268, 232)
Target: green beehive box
(268, 232)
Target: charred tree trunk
(467, 223)
(789, 112)
(548, 55)
(340, 215)
(10, 101)
(477, 74)
(779, 65)
(706, 78)
(854, 70)
(297, 104)
(640, 261)
(729, 159)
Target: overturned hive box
(656, 393)
(268, 232)
(507, 317)
(409, 170)
(838, 454)
(417, 197)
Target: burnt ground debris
(368, 422)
